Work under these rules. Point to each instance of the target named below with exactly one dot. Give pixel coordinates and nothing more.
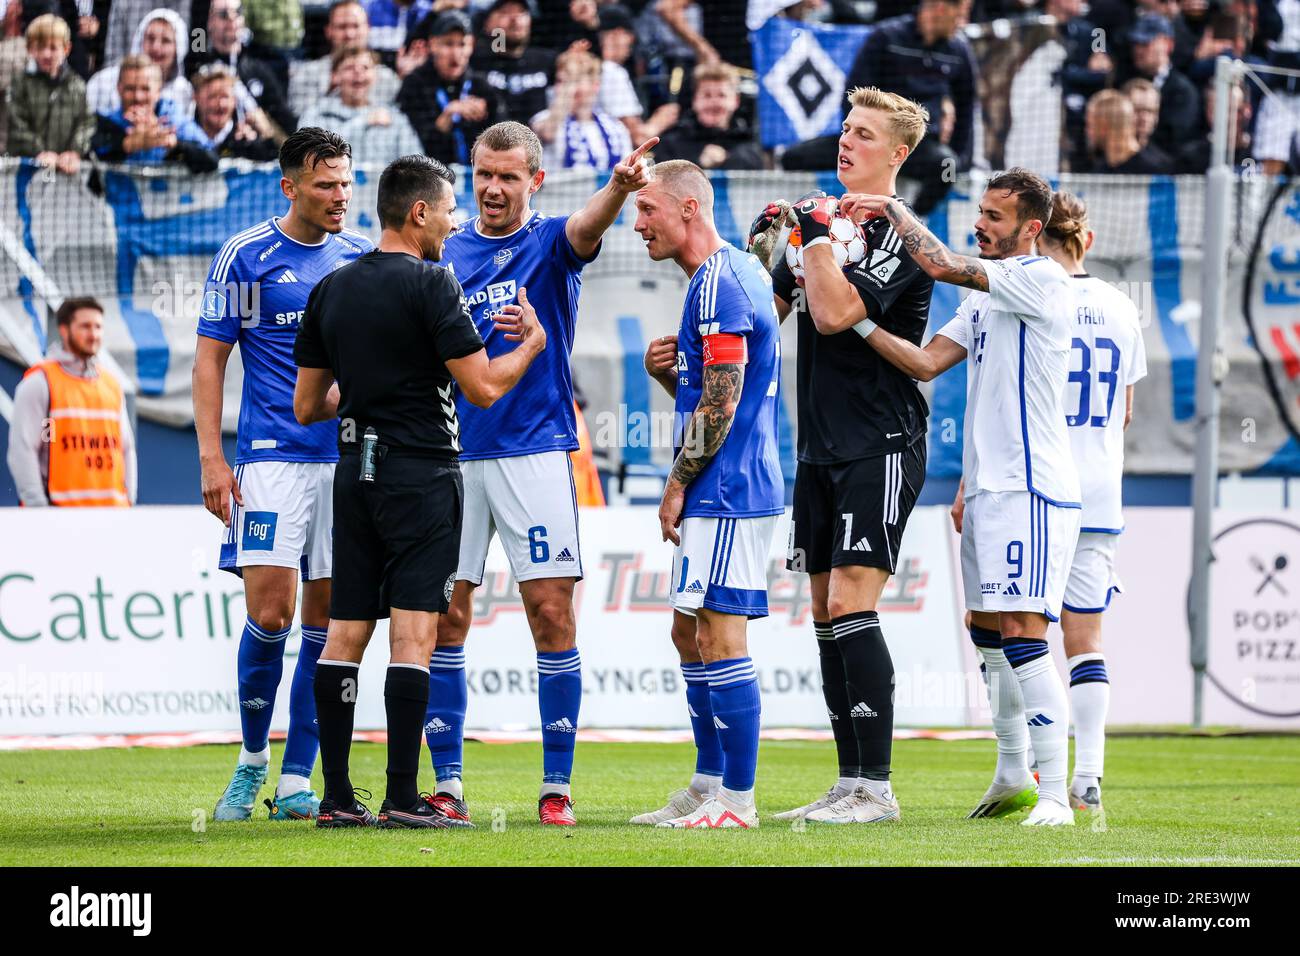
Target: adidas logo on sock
(695, 587)
(862, 709)
(564, 555)
(1040, 720)
(563, 725)
(861, 545)
(287, 276)
(255, 703)
(1012, 590)
(717, 722)
(436, 726)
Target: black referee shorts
(396, 539)
(854, 512)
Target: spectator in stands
(448, 103)
(309, 80)
(83, 25)
(277, 32)
(711, 135)
(720, 34)
(163, 37)
(664, 44)
(393, 21)
(1117, 18)
(1277, 130)
(378, 134)
(575, 134)
(1085, 71)
(217, 125)
(582, 25)
(48, 116)
(521, 72)
(13, 57)
(1151, 44)
(616, 39)
(225, 44)
(1144, 96)
(70, 439)
(142, 130)
(1194, 156)
(1227, 31)
(124, 18)
(924, 57)
(1111, 128)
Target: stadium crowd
(196, 81)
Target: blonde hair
(907, 120)
(716, 72)
(577, 62)
(1068, 225)
(507, 135)
(1113, 108)
(48, 27)
(138, 61)
(682, 179)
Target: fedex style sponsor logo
(496, 293)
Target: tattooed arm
(706, 431)
(937, 260)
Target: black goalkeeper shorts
(854, 512)
(397, 539)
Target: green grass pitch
(1169, 800)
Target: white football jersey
(1017, 340)
(1107, 355)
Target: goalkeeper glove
(814, 213)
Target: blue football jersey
(732, 293)
(537, 414)
(255, 295)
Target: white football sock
(259, 759)
(740, 799)
(1089, 702)
(846, 785)
(549, 788)
(1047, 710)
(291, 783)
(1008, 711)
(879, 788)
(705, 785)
(452, 787)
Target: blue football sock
(733, 692)
(303, 739)
(261, 664)
(444, 720)
(708, 747)
(559, 695)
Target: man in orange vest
(70, 440)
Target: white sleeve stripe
(221, 265)
(706, 302)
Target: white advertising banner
(117, 622)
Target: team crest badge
(502, 257)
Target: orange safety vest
(87, 466)
(586, 478)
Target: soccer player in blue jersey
(725, 493)
(515, 455)
(277, 503)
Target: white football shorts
(287, 519)
(530, 501)
(1092, 579)
(721, 565)
(1016, 550)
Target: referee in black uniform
(861, 448)
(394, 331)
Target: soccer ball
(848, 245)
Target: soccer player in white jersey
(277, 502)
(1022, 498)
(1108, 358)
(725, 492)
(515, 455)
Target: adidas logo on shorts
(437, 726)
(563, 725)
(1012, 590)
(564, 555)
(717, 722)
(862, 709)
(861, 545)
(695, 587)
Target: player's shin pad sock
(708, 745)
(1006, 706)
(303, 739)
(869, 683)
(260, 666)
(1047, 711)
(406, 695)
(559, 697)
(836, 694)
(1089, 702)
(733, 695)
(336, 704)
(444, 718)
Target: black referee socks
(406, 696)
(869, 682)
(836, 693)
(335, 689)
